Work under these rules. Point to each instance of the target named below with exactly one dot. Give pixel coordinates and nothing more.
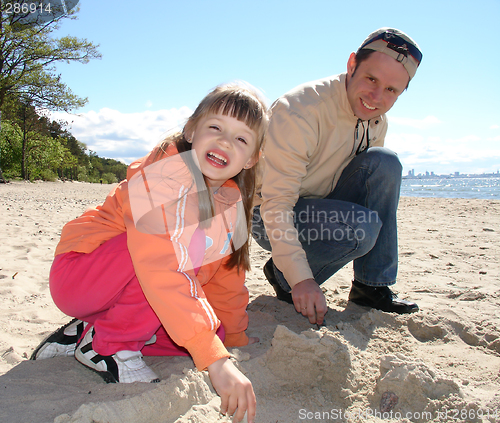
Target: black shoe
(123, 366)
(59, 343)
(381, 298)
(281, 294)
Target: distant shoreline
(460, 176)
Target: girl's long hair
(245, 103)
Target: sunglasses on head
(398, 44)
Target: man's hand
(309, 300)
(234, 389)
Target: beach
(439, 364)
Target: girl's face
(224, 146)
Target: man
(330, 190)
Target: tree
(35, 140)
(28, 140)
(11, 139)
(28, 55)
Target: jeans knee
(367, 235)
(387, 160)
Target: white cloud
(466, 139)
(123, 136)
(495, 127)
(424, 123)
(436, 154)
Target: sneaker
(61, 343)
(281, 294)
(122, 367)
(381, 298)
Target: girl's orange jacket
(157, 205)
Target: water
(483, 188)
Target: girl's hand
(234, 389)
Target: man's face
(375, 84)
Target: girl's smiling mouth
(217, 159)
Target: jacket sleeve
(227, 293)
(291, 141)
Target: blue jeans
(355, 222)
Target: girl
(158, 269)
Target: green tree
(119, 169)
(27, 63)
(77, 148)
(42, 157)
(35, 147)
(109, 178)
(33, 133)
(69, 165)
(11, 145)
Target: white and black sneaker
(61, 343)
(122, 367)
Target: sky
(161, 57)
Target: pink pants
(101, 288)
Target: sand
(440, 364)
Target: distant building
(432, 175)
